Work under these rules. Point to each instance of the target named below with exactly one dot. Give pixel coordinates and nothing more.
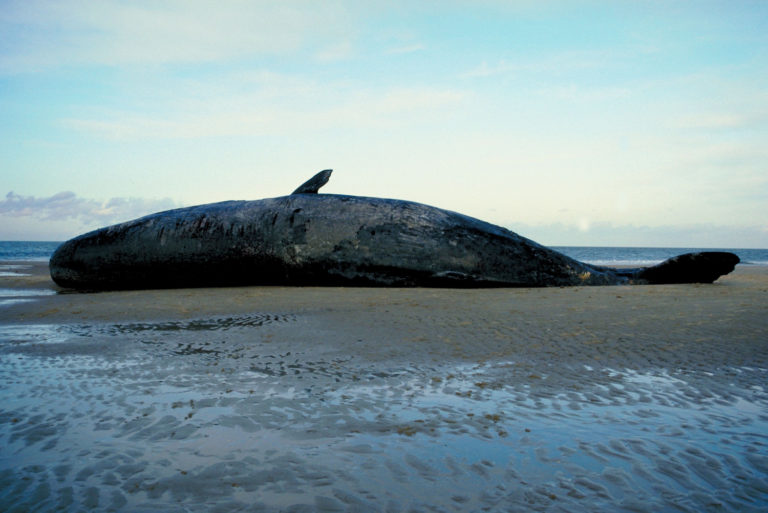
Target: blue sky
(574, 122)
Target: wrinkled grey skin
(326, 239)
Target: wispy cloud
(335, 52)
(701, 235)
(268, 112)
(417, 47)
(725, 120)
(41, 34)
(68, 206)
(488, 70)
(557, 63)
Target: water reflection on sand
(188, 415)
(15, 296)
(14, 270)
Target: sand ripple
(620, 399)
(187, 415)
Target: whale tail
(702, 267)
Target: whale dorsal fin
(313, 185)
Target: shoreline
(620, 398)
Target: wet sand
(647, 398)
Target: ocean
(36, 251)
(619, 256)
(608, 256)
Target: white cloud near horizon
(68, 206)
(693, 235)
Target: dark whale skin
(312, 239)
(328, 239)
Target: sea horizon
(40, 251)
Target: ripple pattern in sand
(188, 416)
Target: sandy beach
(637, 399)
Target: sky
(614, 123)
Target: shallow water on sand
(13, 270)
(216, 413)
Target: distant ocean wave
(607, 256)
(618, 256)
(27, 250)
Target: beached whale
(308, 238)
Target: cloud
(554, 64)
(43, 34)
(488, 70)
(695, 235)
(339, 51)
(271, 112)
(417, 47)
(68, 206)
(737, 118)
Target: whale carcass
(307, 238)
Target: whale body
(308, 238)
